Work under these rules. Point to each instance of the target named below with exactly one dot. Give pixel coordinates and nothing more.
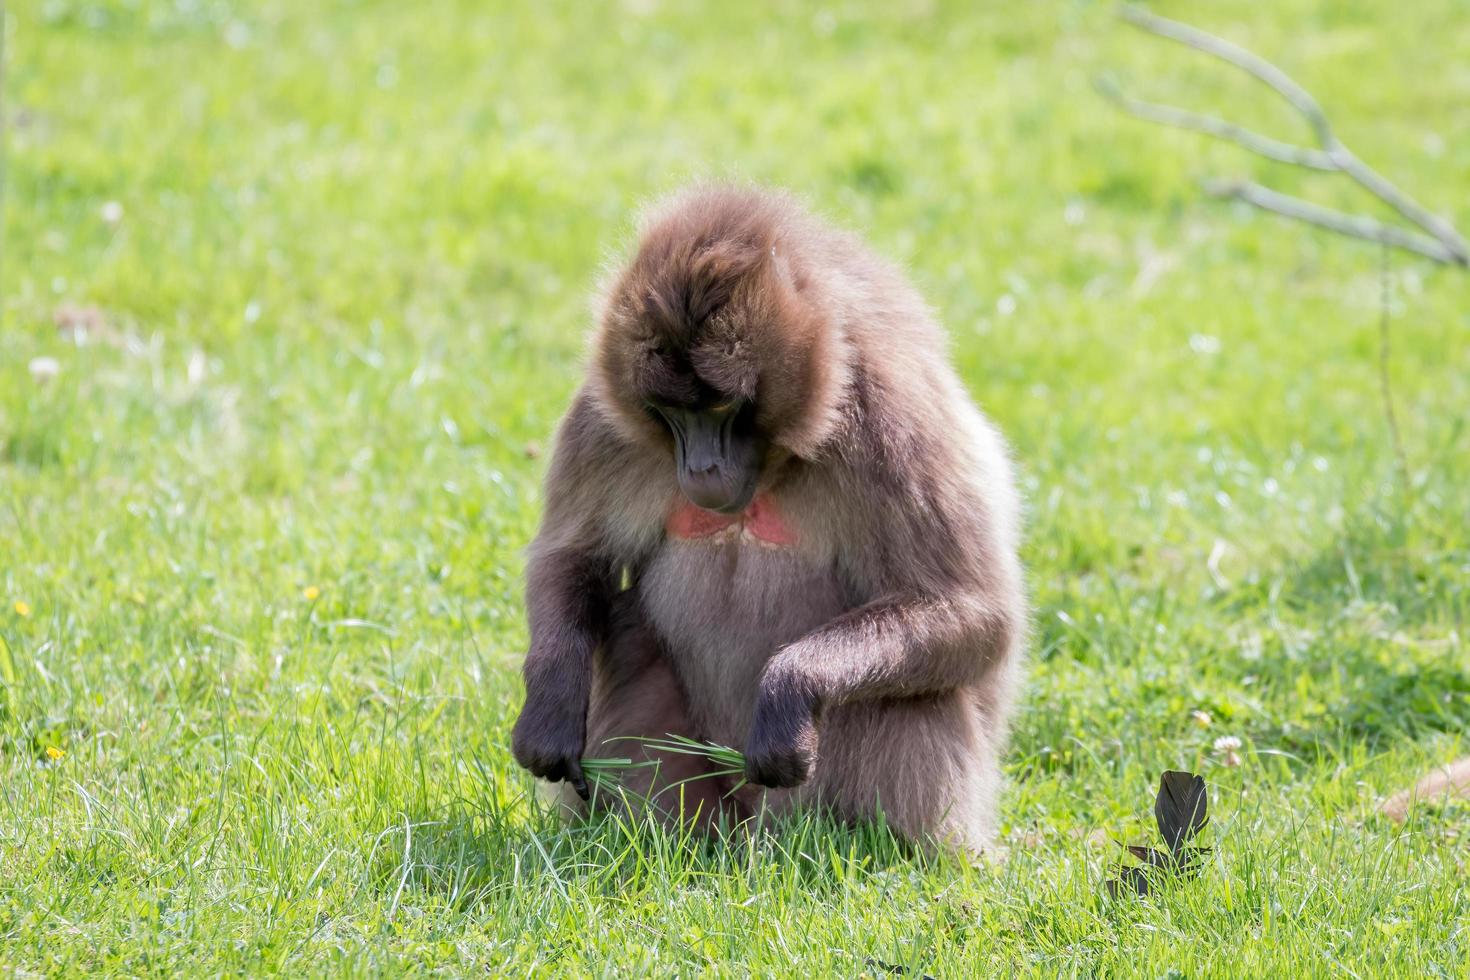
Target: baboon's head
(712, 343)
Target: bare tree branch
(1333, 155)
(1167, 115)
(1352, 225)
(1301, 100)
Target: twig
(1353, 225)
(1332, 155)
(5, 125)
(1168, 115)
(1385, 378)
(1301, 100)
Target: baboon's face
(709, 348)
(692, 389)
(718, 448)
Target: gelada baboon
(775, 520)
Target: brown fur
(870, 666)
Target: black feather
(1182, 807)
(1149, 856)
(1132, 880)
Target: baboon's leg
(635, 695)
(931, 765)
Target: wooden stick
(1439, 786)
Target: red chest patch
(760, 520)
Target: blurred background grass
(315, 279)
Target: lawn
(314, 278)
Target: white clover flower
(1227, 746)
(43, 369)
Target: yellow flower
(22, 608)
(1201, 718)
(54, 754)
(312, 593)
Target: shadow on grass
(471, 854)
(1377, 607)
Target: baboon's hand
(549, 736)
(783, 733)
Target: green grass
(343, 308)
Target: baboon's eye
(723, 408)
(659, 414)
